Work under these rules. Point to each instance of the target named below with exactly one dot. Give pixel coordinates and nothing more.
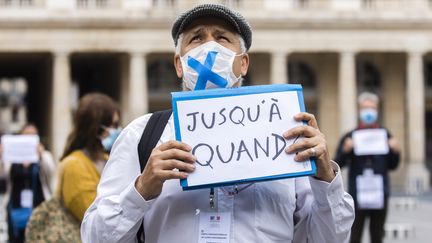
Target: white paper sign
(238, 138)
(214, 227)
(26, 198)
(370, 190)
(370, 142)
(20, 148)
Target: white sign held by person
(20, 148)
(236, 134)
(370, 141)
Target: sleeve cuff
(328, 194)
(133, 205)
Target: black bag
(152, 132)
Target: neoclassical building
(58, 50)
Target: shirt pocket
(274, 207)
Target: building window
(162, 77)
(368, 77)
(13, 92)
(301, 73)
(428, 144)
(428, 74)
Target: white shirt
(291, 210)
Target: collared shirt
(291, 210)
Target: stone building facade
(335, 48)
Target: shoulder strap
(152, 132)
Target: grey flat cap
(235, 19)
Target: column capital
(416, 52)
(348, 53)
(138, 53)
(283, 52)
(61, 53)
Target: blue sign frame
(224, 92)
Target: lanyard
(236, 191)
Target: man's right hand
(348, 145)
(161, 166)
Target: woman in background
(95, 128)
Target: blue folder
(224, 92)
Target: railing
(254, 5)
(92, 3)
(18, 3)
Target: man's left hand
(40, 150)
(312, 144)
(394, 145)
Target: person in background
(3, 175)
(95, 128)
(28, 181)
(377, 167)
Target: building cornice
(302, 20)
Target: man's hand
(348, 145)
(313, 144)
(161, 166)
(394, 145)
(40, 149)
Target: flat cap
(235, 19)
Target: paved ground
(3, 225)
(409, 219)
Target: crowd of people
(74, 179)
(100, 185)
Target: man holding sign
(211, 52)
(371, 153)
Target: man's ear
(244, 64)
(178, 66)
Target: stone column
(418, 179)
(279, 68)
(347, 88)
(61, 117)
(137, 92)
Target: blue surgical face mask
(108, 142)
(368, 116)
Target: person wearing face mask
(211, 52)
(95, 129)
(29, 184)
(377, 165)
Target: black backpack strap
(152, 132)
